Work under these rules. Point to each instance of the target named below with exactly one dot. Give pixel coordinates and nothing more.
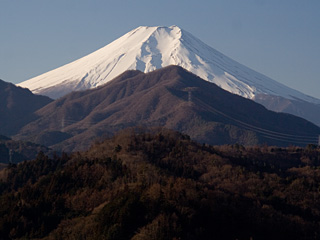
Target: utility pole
(62, 124)
(189, 96)
(10, 156)
(190, 90)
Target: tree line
(161, 185)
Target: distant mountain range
(149, 48)
(17, 107)
(170, 97)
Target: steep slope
(149, 48)
(171, 97)
(17, 106)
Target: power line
(267, 133)
(303, 139)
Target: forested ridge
(161, 185)
(169, 97)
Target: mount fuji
(150, 48)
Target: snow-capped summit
(150, 48)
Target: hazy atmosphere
(277, 38)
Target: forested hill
(141, 185)
(17, 151)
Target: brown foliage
(160, 185)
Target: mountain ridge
(170, 97)
(17, 107)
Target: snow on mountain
(150, 48)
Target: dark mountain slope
(171, 97)
(17, 106)
(12, 151)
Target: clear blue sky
(279, 38)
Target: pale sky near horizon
(278, 38)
